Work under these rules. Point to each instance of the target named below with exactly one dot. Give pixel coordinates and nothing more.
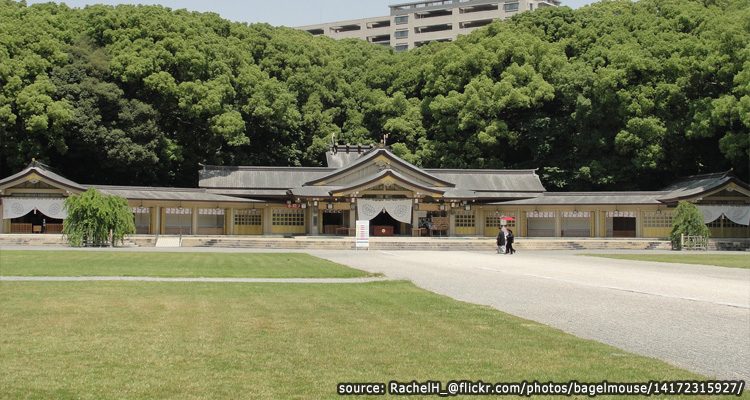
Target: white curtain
(399, 209)
(14, 207)
(738, 214)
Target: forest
(618, 95)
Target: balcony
(433, 13)
(479, 15)
(346, 28)
(380, 39)
(475, 24)
(433, 28)
(379, 24)
(349, 31)
(478, 8)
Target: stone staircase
(21, 239)
(168, 241)
(377, 243)
(17, 239)
(452, 244)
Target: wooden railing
(20, 228)
(53, 228)
(693, 242)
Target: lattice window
(540, 214)
(178, 211)
(620, 214)
(576, 214)
(728, 223)
(495, 220)
(657, 219)
(289, 217)
(210, 211)
(247, 219)
(465, 219)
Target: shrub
(95, 219)
(688, 221)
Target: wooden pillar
(266, 216)
(229, 222)
(194, 222)
(639, 224)
(558, 224)
(451, 223)
(479, 218)
(315, 220)
(157, 220)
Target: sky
(278, 12)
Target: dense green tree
(617, 95)
(688, 221)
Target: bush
(95, 219)
(688, 221)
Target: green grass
(107, 263)
(138, 340)
(722, 260)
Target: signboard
(363, 234)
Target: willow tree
(95, 219)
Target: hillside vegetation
(616, 95)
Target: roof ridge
(146, 188)
(481, 170)
(619, 192)
(706, 175)
(260, 167)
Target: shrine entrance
(34, 214)
(384, 225)
(388, 217)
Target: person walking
(501, 241)
(509, 239)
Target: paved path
(158, 279)
(693, 316)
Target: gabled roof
(382, 151)
(43, 171)
(162, 193)
(492, 180)
(392, 174)
(586, 198)
(696, 185)
(258, 178)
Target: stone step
(168, 241)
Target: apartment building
(414, 24)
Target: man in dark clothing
(509, 243)
(501, 241)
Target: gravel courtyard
(693, 316)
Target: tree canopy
(616, 95)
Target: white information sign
(363, 234)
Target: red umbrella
(507, 219)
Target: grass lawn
(106, 263)
(138, 340)
(722, 260)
